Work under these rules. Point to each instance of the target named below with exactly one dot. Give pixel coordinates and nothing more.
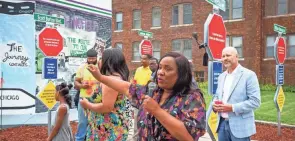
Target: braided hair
(64, 92)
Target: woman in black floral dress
(174, 111)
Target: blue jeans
(82, 125)
(224, 133)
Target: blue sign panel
(215, 69)
(50, 68)
(280, 74)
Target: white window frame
(117, 22)
(182, 47)
(136, 19)
(229, 42)
(180, 14)
(230, 10)
(154, 16)
(156, 48)
(135, 50)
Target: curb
(274, 124)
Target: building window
(182, 14)
(270, 40)
(279, 7)
(237, 42)
(183, 46)
(119, 21)
(156, 49)
(291, 46)
(234, 10)
(119, 45)
(156, 17)
(136, 19)
(135, 51)
(282, 7)
(200, 77)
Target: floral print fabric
(111, 126)
(188, 108)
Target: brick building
(249, 25)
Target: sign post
(145, 33)
(220, 4)
(279, 29)
(280, 56)
(214, 70)
(146, 47)
(51, 44)
(49, 68)
(214, 42)
(47, 96)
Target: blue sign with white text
(215, 69)
(280, 74)
(50, 68)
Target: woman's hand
(84, 103)
(150, 105)
(94, 71)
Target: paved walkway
(206, 137)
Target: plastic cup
(218, 102)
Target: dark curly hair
(64, 90)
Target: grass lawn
(267, 110)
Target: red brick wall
(253, 27)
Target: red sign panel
(50, 42)
(146, 47)
(280, 50)
(215, 35)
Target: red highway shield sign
(50, 42)
(146, 47)
(280, 50)
(215, 36)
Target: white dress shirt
(228, 82)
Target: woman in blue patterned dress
(174, 111)
(107, 117)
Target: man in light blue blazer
(238, 95)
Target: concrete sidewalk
(206, 137)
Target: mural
(17, 57)
(80, 30)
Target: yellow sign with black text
(47, 95)
(212, 122)
(280, 99)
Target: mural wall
(81, 31)
(17, 57)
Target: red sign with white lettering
(146, 47)
(215, 35)
(280, 50)
(50, 42)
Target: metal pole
(215, 10)
(49, 121)
(279, 123)
(49, 117)
(1, 96)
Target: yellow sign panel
(212, 122)
(47, 95)
(281, 99)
